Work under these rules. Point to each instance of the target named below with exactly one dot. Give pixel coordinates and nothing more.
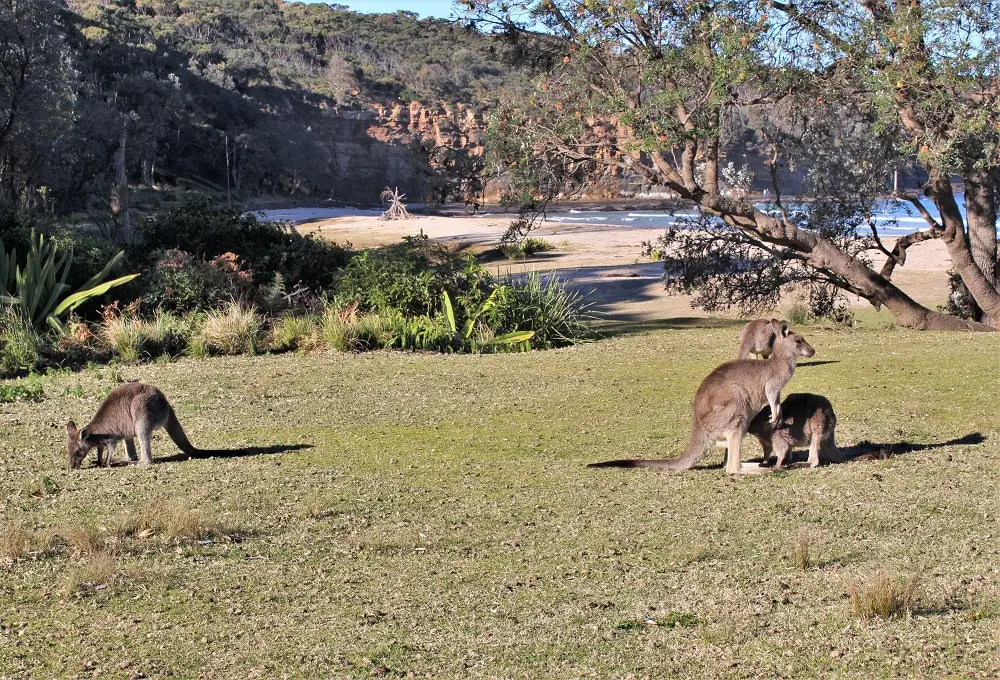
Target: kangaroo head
(792, 343)
(77, 445)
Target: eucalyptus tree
(36, 93)
(848, 90)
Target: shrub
(19, 342)
(525, 248)
(409, 277)
(208, 230)
(798, 313)
(557, 316)
(232, 330)
(181, 283)
(37, 283)
(293, 332)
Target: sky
(425, 8)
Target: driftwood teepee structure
(396, 210)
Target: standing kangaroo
(729, 398)
(806, 420)
(757, 338)
(132, 411)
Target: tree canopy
(848, 90)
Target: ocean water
(894, 217)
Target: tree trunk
(822, 253)
(983, 291)
(981, 220)
(119, 190)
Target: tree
(661, 90)
(35, 92)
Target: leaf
(449, 312)
(515, 337)
(76, 299)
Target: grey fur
(729, 398)
(806, 420)
(757, 338)
(131, 412)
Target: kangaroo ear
(779, 327)
(785, 328)
(71, 429)
(85, 433)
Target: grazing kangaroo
(806, 420)
(729, 398)
(132, 411)
(757, 338)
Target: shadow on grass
(235, 453)
(613, 329)
(866, 450)
(862, 451)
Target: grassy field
(432, 516)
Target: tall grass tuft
(377, 329)
(98, 570)
(15, 541)
(295, 332)
(543, 304)
(339, 328)
(884, 597)
(175, 520)
(232, 330)
(19, 342)
(803, 555)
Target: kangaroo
(729, 398)
(757, 338)
(132, 411)
(806, 420)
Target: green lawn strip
(443, 521)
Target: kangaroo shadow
(816, 363)
(866, 450)
(234, 453)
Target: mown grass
(443, 522)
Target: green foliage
(232, 330)
(21, 390)
(181, 283)
(525, 248)
(207, 230)
(544, 305)
(39, 286)
(295, 332)
(19, 343)
(409, 277)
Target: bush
(293, 332)
(557, 316)
(525, 248)
(232, 330)
(19, 343)
(409, 277)
(133, 339)
(207, 230)
(181, 283)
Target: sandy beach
(604, 260)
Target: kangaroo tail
(176, 432)
(694, 452)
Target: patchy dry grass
(433, 515)
(884, 596)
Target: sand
(603, 260)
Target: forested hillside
(248, 98)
